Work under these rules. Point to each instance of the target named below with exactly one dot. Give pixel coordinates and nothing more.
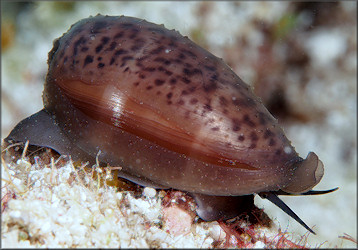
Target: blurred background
(300, 58)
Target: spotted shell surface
(164, 109)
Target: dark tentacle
(311, 192)
(278, 202)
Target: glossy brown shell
(164, 109)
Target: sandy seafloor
(320, 87)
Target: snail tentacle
(278, 202)
(311, 192)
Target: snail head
(308, 174)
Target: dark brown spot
(192, 89)
(188, 65)
(172, 81)
(125, 59)
(162, 60)
(223, 101)
(159, 82)
(235, 124)
(100, 65)
(88, 59)
(158, 92)
(193, 101)
(212, 86)
(119, 35)
(142, 76)
(241, 138)
(120, 52)
(172, 44)
(84, 49)
(79, 42)
(189, 53)
(248, 121)
(149, 69)
(99, 58)
(185, 80)
(215, 129)
(157, 30)
(184, 92)
(126, 25)
(190, 72)
(182, 56)
(112, 46)
(98, 25)
(142, 58)
(253, 145)
(262, 118)
(178, 61)
(157, 50)
(105, 40)
(186, 71)
(136, 47)
(208, 107)
(136, 84)
(99, 48)
(56, 44)
(72, 66)
(149, 87)
(278, 152)
(139, 64)
(268, 134)
(167, 62)
(254, 136)
(210, 68)
(272, 142)
(134, 33)
(159, 59)
(181, 102)
(214, 77)
(167, 72)
(169, 95)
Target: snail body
(167, 111)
